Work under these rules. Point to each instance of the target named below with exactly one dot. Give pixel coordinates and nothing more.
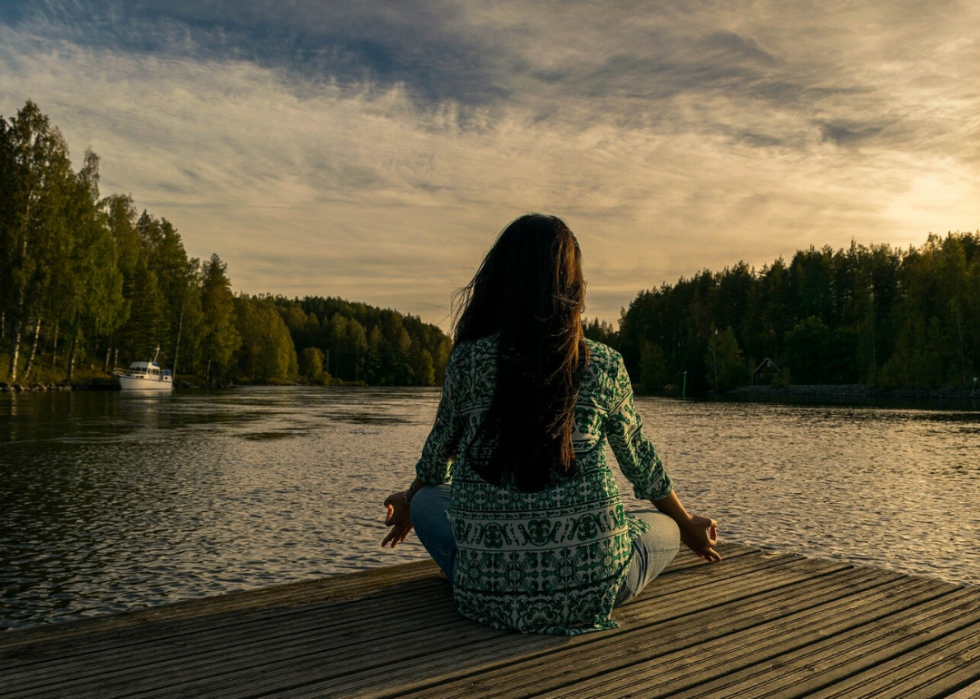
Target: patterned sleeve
(435, 466)
(637, 457)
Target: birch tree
(91, 287)
(37, 157)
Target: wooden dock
(756, 625)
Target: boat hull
(140, 383)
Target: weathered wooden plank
(731, 632)
(969, 692)
(336, 623)
(803, 671)
(688, 559)
(635, 613)
(334, 588)
(215, 676)
(435, 676)
(681, 662)
(438, 640)
(167, 659)
(757, 625)
(338, 587)
(275, 605)
(930, 670)
(313, 622)
(205, 610)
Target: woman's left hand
(399, 519)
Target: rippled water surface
(111, 502)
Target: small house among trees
(765, 372)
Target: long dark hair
(529, 290)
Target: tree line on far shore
(90, 282)
(873, 315)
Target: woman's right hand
(399, 518)
(700, 534)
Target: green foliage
(653, 368)
(807, 346)
(267, 353)
(362, 343)
(600, 331)
(780, 379)
(311, 366)
(90, 279)
(221, 338)
(89, 285)
(726, 366)
(85, 280)
(35, 241)
(861, 314)
(58, 262)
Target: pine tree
(220, 337)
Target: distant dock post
(684, 385)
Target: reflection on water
(896, 488)
(114, 501)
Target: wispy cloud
(371, 150)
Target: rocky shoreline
(858, 391)
(93, 385)
(19, 388)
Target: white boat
(145, 376)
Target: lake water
(111, 502)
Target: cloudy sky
(372, 150)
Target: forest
(872, 315)
(89, 284)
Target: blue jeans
(652, 552)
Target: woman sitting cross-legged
(513, 497)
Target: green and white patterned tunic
(550, 561)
